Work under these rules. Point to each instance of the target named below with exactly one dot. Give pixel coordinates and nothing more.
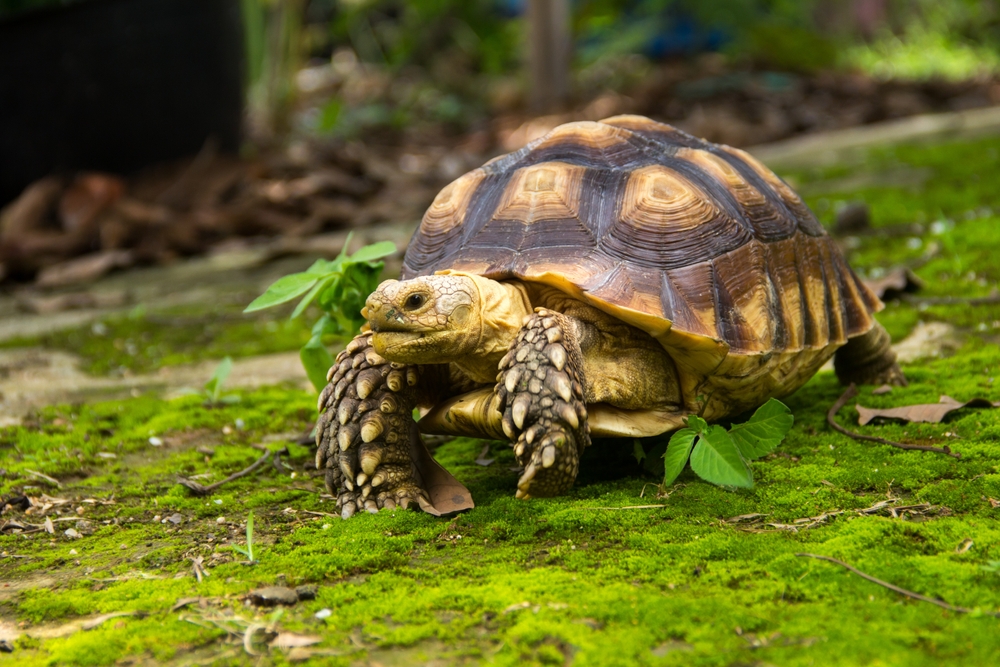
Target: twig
(992, 299)
(42, 476)
(851, 392)
(897, 589)
(629, 507)
(200, 490)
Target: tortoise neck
(503, 306)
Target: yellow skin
(470, 322)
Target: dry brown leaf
(292, 640)
(85, 269)
(931, 413)
(896, 282)
(28, 211)
(86, 198)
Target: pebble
(272, 596)
(155, 442)
(306, 592)
(323, 613)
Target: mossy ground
(581, 579)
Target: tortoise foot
(540, 391)
(869, 359)
(401, 493)
(364, 432)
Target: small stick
(200, 490)
(851, 392)
(629, 507)
(893, 587)
(951, 300)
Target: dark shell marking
(640, 215)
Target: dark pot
(114, 85)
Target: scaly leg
(869, 359)
(364, 431)
(540, 391)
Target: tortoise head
(426, 320)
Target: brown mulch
(68, 230)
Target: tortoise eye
(414, 301)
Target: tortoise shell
(697, 244)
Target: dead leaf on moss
(931, 413)
(896, 282)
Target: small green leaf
(282, 290)
(323, 267)
(697, 423)
(214, 386)
(317, 360)
(717, 460)
(324, 325)
(320, 285)
(373, 251)
(764, 431)
(637, 451)
(250, 536)
(678, 451)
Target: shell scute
(698, 244)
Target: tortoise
(609, 279)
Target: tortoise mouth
(393, 344)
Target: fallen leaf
(85, 268)
(292, 640)
(928, 339)
(28, 211)
(931, 413)
(85, 199)
(482, 460)
(895, 283)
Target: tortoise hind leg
(540, 391)
(869, 359)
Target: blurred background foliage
(392, 63)
(353, 65)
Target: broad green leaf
(324, 325)
(317, 360)
(323, 267)
(678, 451)
(307, 299)
(214, 386)
(373, 251)
(282, 290)
(717, 460)
(764, 431)
(697, 423)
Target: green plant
(212, 391)
(248, 552)
(340, 288)
(719, 456)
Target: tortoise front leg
(364, 431)
(540, 392)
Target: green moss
(141, 343)
(555, 581)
